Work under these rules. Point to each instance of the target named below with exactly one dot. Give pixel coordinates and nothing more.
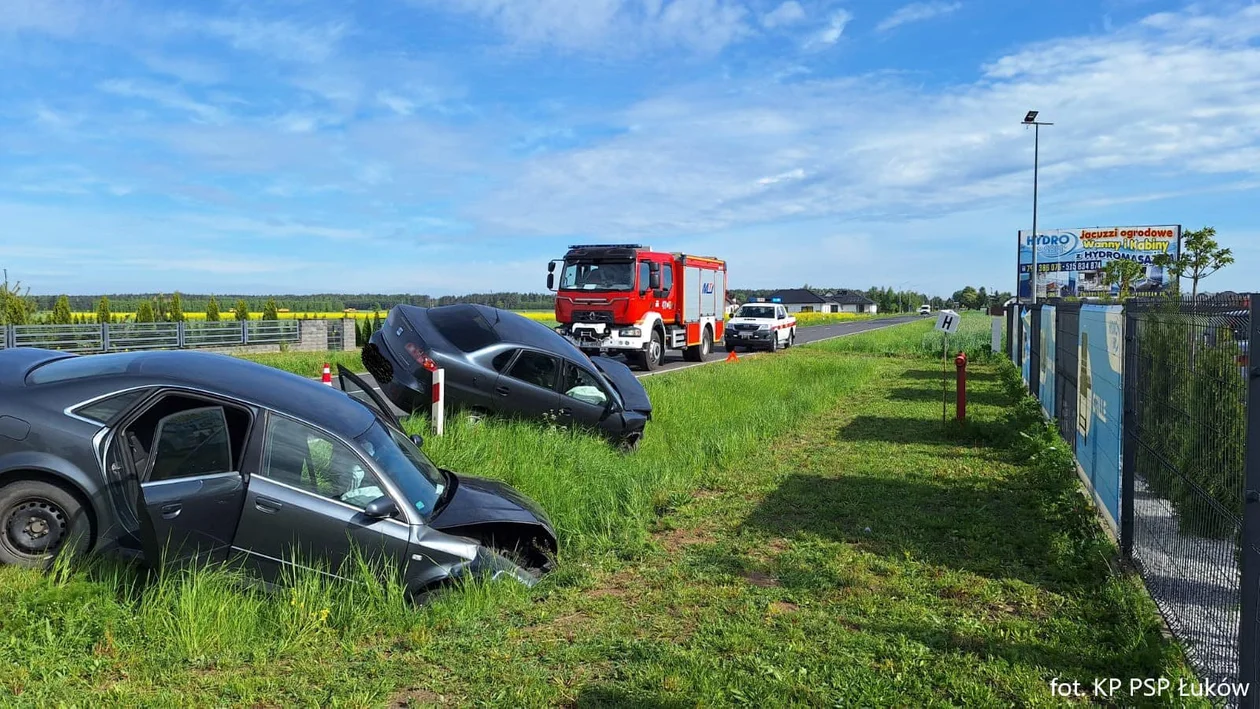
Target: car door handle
(171, 511)
(267, 505)
(502, 391)
(566, 411)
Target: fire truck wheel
(697, 353)
(654, 356)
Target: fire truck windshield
(588, 275)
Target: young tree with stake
(1200, 257)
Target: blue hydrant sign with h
(947, 321)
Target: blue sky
(449, 146)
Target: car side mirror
(551, 266)
(418, 440)
(654, 280)
(382, 507)
(551, 281)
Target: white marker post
(996, 343)
(439, 395)
(947, 321)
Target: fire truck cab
(628, 299)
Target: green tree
(161, 312)
(103, 316)
(241, 310)
(61, 314)
(212, 310)
(177, 307)
(1200, 257)
(144, 313)
(15, 307)
(1122, 272)
(270, 310)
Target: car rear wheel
(39, 520)
(791, 337)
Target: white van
(925, 310)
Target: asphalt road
(674, 360)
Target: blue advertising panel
(1045, 380)
(1024, 344)
(1100, 403)
(1070, 261)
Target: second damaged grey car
(179, 456)
(498, 362)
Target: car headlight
(763, 327)
(631, 332)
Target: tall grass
(920, 339)
(104, 630)
(308, 364)
(705, 419)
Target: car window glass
(464, 326)
(82, 367)
(106, 409)
(535, 368)
(667, 278)
(501, 360)
(645, 272)
(305, 458)
(191, 443)
(582, 385)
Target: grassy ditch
(795, 529)
(920, 339)
(307, 364)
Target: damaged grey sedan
(190, 456)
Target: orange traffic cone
(327, 374)
(731, 357)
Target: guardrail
(121, 337)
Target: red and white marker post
(327, 375)
(439, 401)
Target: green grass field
(799, 529)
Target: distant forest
(321, 303)
(888, 300)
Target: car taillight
(420, 357)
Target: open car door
(366, 395)
(190, 492)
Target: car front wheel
(38, 520)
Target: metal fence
(121, 337)
(1188, 387)
(1155, 400)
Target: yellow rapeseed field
(227, 314)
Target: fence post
(1128, 437)
(1248, 653)
(179, 335)
(244, 332)
(10, 339)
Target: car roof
(213, 373)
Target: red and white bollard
(439, 401)
(327, 375)
(960, 362)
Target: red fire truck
(628, 299)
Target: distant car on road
(925, 310)
(190, 456)
(761, 326)
(498, 362)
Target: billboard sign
(1070, 261)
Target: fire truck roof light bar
(608, 246)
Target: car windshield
(755, 311)
(597, 276)
(419, 479)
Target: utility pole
(1031, 120)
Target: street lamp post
(1031, 120)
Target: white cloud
(282, 39)
(788, 13)
(167, 96)
(60, 18)
(917, 12)
(611, 26)
(839, 20)
(1132, 107)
